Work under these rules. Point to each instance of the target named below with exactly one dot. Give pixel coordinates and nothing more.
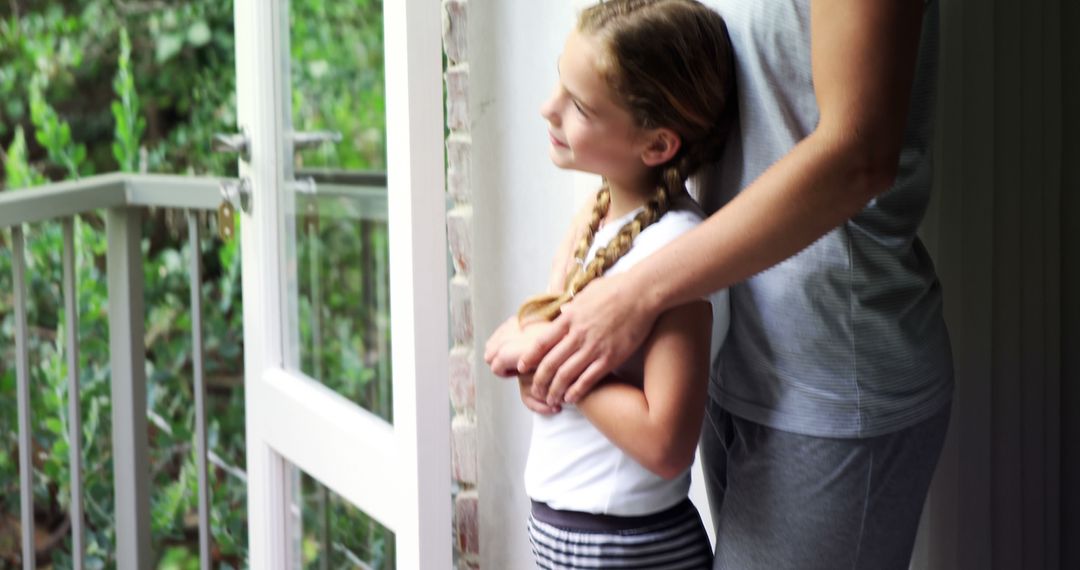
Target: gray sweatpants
(785, 501)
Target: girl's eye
(578, 107)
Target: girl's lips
(556, 142)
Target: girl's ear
(663, 144)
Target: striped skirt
(675, 540)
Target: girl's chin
(558, 157)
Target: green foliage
(338, 80)
(19, 173)
(129, 125)
(54, 133)
(39, 42)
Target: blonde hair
(670, 64)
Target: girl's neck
(626, 198)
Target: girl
(645, 97)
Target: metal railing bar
(344, 177)
(173, 191)
(334, 190)
(382, 300)
(131, 475)
(22, 373)
(314, 257)
(362, 201)
(356, 197)
(78, 550)
(61, 200)
(194, 238)
(324, 525)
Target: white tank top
(571, 464)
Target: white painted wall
(522, 206)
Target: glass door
(344, 280)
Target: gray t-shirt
(846, 338)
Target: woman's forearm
(813, 189)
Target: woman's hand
(532, 402)
(596, 332)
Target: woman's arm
(863, 59)
(658, 425)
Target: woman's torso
(846, 338)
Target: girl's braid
(546, 307)
(599, 212)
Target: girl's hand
(503, 353)
(506, 332)
(537, 405)
(604, 324)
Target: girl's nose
(549, 108)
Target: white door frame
(400, 473)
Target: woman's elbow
(866, 159)
(873, 174)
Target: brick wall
(459, 228)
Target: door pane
(342, 321)
(344, 294)
(335, 534)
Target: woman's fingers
(538, 406)
(545, 373)
(542, 344)
(533, 404)
(592, 375)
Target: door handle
(311, 139)
(237, 143)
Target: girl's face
(588, 130)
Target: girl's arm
(863, 59)
(659, 425)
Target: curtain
(1001, 231)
